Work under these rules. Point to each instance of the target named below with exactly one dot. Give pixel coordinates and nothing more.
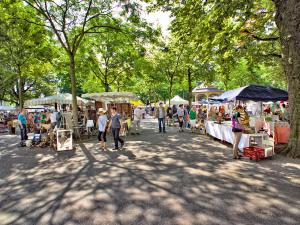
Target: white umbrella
(177, 100)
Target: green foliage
(25, 56)
(231, 45)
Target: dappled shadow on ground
(167, 178)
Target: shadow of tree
(159, 179)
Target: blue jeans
(117, 139)
(161, 124)
(24, 136)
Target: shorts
(102, 136)
(193, 123)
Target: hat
(101, 110)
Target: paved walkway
(173, 178)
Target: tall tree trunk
(189, 73)
(288, 22)
(20, 89)
(106, 84)
(106, 87)
(73, 90)
(170, 88)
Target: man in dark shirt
(115, 125)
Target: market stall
(8, 119)
(277, 132)
(224, 132)
(107, 100)
(60, 99)
(177, 100)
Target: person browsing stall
(237, 129)
(23, 125)
(193, 117)
(180, 114)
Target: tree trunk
(189, 73)
(20, 90)
(288, 22)
(106, 84)
(73, 90)
(170, 88)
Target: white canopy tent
(177, 100)
(59, 99)
(111, 97)
(7, 108)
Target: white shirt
(53, 117)
(102, 120)
(160, 113)
(180, 112)
(138, 113)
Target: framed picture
(64, 140)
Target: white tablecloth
(224, 133)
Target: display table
(224, 132)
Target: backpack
(236, 126)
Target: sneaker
(116, 149)
(138, 133)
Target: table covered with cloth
(224, 132)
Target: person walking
(115, 126)
(137, 117)
(102, 126)
(193, 117)
(186, 117)
(160, 114)
(237, 129)
(53, 119)
(174, 114)
(180, 114)
(23, 126)
(169, 116)
(37, 119)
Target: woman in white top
(102, 122)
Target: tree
(167, 62)
(245, 28)
(71, 21)
(288, 22)
(25, 56)
(110, 57)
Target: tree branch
(273, 55)
(97, 75)
(259, 38)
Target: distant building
(204, 92)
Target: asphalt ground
(172, 178)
